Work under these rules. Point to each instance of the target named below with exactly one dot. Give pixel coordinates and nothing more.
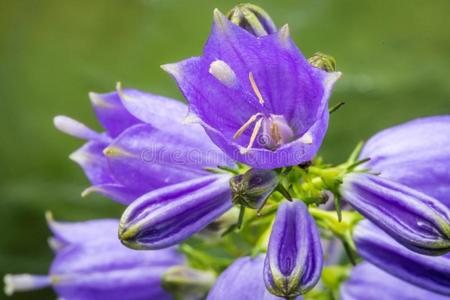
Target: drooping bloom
(415, 154)
(294, 261)
(428, 272)
(92, 264)
(145, 145)
(258, 98)
(243, 280)
(370, 283)
(419, 222)
(169, 215)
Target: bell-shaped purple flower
(258, 98)
(370, 283)
(417, 221)
(145, 145)
(294, 257)
(428, 272)
(169, 215)
(99, 266)
(415, 154)
(243, 280)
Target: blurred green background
(395, 56)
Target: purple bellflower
(92, 264)
(370, 283)
(169, 215)
(415, 154)
(243, 280)
(294, 259)
(419, 222)
(258, 98)
(429, 272)
(145, 145)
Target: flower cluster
(228, 200)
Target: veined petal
(240, 77)
(169, 215)
(417, 221)
(415, 154)
(95, 165)
(370, 283)
(243, 280)
(158, 111)
(144, 157)
(428, 272)
(294, 259)
(80, 233)
(111, 113)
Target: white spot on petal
(307, 138)
(223, 72)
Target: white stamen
(223, 72)
(255, 88)
(246, 125)
(24, 282)
(253, 136)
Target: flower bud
(323, 61)
(415, 220)
(243, 280)
(429, 272)
(252, 18)
(187, 283)
(370, 283)
(169, 215)
(252, 188)
(294, 259)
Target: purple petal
(414, 219)
(294, 259)
(145, 158)
(429, 272)
(95, 165)
(243, 280)
(169, 215)
(159, 111)
(80, 233)
(111, 113)
(106, 271)
(370, 283)
(415, 154)
(79, 130)
(219, 90)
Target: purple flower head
(294, 259)
(370, 283)
(258, 98)
(145, 145)
(428, 272)
(169, 215)
(99, 266)
(417, 221)
(243, 280)
(415, 154)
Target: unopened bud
(252, 188)
(187, 283)
(252, 18)
(323, 61)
